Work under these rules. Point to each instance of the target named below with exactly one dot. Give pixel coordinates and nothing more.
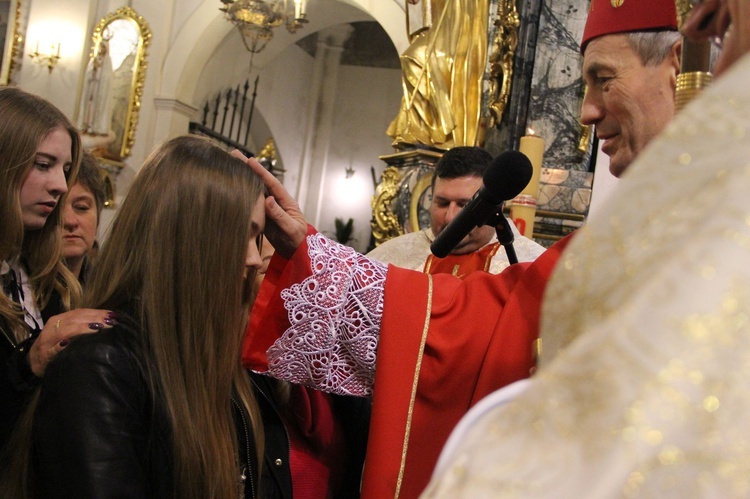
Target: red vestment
(462, 265)
(444, 344)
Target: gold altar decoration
(401, 198)
(504, 46)
(109, 170)
(384, 222)
(683, 9)
(442, 76)
(269, 159)
(113, 84)
(695, 62)
(584, 141)
(256, 19)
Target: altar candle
(533, 147)
(523, 207)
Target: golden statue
(442, 73)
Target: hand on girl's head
(286, 226)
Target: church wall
(283, 92)
(64, 21)
(362, 114)
(184, 9)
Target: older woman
(81, 212)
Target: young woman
(39, 156)
(159, 406)
(81, 212)
(315, 442)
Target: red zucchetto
(607, 17)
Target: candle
(523, 209)
(533, 147)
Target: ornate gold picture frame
(12, 29)
(113, 84)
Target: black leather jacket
(276, 481)
(17, 381)
(101, 431)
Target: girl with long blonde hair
(39, 157)
(159, 406)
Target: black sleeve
(17, 380)
(20, 375)
(91, 427)
(16, 385)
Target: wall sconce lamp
(349, 171)
(48, 59)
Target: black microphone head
(508, 174)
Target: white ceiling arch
(205, 29)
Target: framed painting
(12, 28)
(113, 84)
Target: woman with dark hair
(160, 406)
(39, 157)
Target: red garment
(476, 338)
(607, 17)
(317, 445)
(462, 265)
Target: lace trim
(335, 317)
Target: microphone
(504, 179)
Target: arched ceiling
(206, 28)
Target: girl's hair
(176, 252)
(26, 121)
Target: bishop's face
(628, 102)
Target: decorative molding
(175, 105)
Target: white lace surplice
(335, 317)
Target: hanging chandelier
(256, 19)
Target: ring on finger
(57, 324)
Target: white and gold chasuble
(644, 388)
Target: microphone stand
(504, 234)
